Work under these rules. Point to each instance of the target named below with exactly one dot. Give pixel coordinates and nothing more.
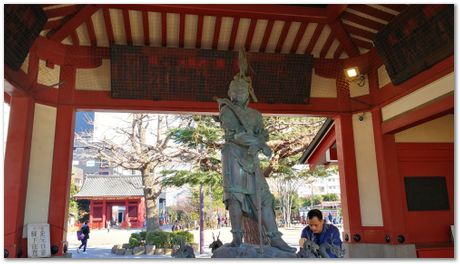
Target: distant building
(118, 200)
(77, 177)
(84, 126)
(322, 186)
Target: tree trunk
(283, 208)
(151, 211)
(288, 211)
(151, 208)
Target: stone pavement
(101, 242)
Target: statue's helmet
(239, 89)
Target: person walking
(84, 241)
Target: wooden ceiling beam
(236, 23)
(268, 32)
(369, 10)
(199, 32)
(338, 52)
(398, 8)
(82, 15)
(164, 30)
(74, 37)
(146, 28)
(314, 38)
(127, 23)
(250, 35)
(298, 37)
(363, 21)
(217, 27)
(334, 12)
(108, 25)
(363, 44)
(62, 11)
(53, 24)
(91, 33)
(253, 11)
(359, 32)
(283, 36)
(340, 33)
(327, 45)
(181, 30)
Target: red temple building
(118, 200)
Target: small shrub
(152, 238)
(159, 238)
(143, 235)
(133, 242)
(136, 236)
(179, 237)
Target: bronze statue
(245, 188)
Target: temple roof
(313, 146)
(110, 186)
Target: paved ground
(101, 241)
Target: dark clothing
(84, 241)
(85, 231)
(324, 236)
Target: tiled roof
(111, 186)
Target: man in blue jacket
(327, 236)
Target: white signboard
(38, 241)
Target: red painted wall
(435, 253)
(428, 159)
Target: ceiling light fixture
(353, 75)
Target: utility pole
(201, 219)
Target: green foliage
(136, 236)
(178, 237)
(204, 132)
(330, 197)
(83, 210)
(73, 205)
(160, 239)
(317, 199)
(142, 234)
(295, 199)
(133, 242)
(180, 178)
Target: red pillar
(109, 212)
(348, 176)
(61, 175)
(91, 211)
(391, 188)
(141, 211)
(127, 213)
(17, 156)
(62, 160)
(103, 214)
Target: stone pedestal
(250, 251)
(367, 250)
